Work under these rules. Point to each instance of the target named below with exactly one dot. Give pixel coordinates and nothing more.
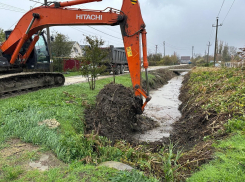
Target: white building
(76, 50)
(185, 59)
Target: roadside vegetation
(2, 35)
(93, 54)
(159, 60)
(219, 93)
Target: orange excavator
(56, 14)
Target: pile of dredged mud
(115, 114)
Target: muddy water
(164, 109)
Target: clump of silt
(115, 114)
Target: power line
(228, 11)
(111, 30)
(87, 34)
(104, 33)
(83, 6)
(24, 11)
(100, 30)
(36, 2)
(175, 47)
(92, 33)
(220, 8)
(11, 8)
(13, 24)
(211, 34)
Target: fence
(234, 64)
(66, 64)
(71, 64)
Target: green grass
(221, 92)
(75, 172)
(72, 73)
(19, 118)
(229, 163)
(10, 173)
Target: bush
(58, 64)
(235, 124)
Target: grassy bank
(215, 101)
(20, 117)
(72, 73)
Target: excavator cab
(42, 56)
(39, 59)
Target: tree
(174, 58)
(167, 60)
(154, 59)
(61, 45)
(234, 53)
(92, 64)
(226, 54)
(197, 60)
(242, 53)
(2, 35)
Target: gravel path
(79, 79)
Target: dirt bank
(115, 113)
(191, 131)
(195, 123)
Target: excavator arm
(56, 14)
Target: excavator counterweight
(57, 13)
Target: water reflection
(163, 108)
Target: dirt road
(79, 79)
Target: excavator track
(19, 83)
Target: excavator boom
(56, 14)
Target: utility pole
(208, 52)
(192, 52)
(215, 47)
(164, 47)
(156, 49)
(48, 41)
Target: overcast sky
(180, 23)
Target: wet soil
(17, 152)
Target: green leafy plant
(11, 173)
(93, 56)
(234, 125)
(170, 164)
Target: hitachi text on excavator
(15, 56)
